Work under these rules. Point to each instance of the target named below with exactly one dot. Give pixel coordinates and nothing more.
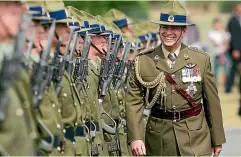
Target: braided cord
(159, 81)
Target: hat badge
(170, 18)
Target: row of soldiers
(63, 78)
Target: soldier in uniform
(16, 130)
(72, 106)
(174, 82)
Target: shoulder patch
(199, 50)
(146, 51)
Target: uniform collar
(166, 52)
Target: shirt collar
(166, 52)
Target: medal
(191, 89)
(184, 75)
(188, 75)
(195, 74)
(199, 78)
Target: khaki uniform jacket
(193, 136)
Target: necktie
(172, 57)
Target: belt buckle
(176, 119)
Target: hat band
(142, 37)
(58, 15)
(86, 24)
(37, 9)
(74, 24)
(116, 36)
(173, 18)
(121, 23)
(153, 35)
(96, 30)
(82, 33)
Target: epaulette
(146, 51)
(199, 50)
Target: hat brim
(62, 21)
(32, 12)
(171, 23)
(41, 18)
(83, 29)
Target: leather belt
(80, 131)
(69, 133)
(176, 115)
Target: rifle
(130, 67)
(51, 68)
(70, 60)
(38, 82)
(60, 66)
(11, 64)
(120, 67)
(112, 60)
(81, 64)
(102, 87)
(27, 54)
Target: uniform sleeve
(134, 110)
(212, 106)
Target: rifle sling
(96, 48)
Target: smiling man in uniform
(175, 84)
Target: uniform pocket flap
(195, 122)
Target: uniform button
(76, 124)
(58, 126)
(173, 91)
(65, 94)
(174, 121)
(81, 102)
(53, 105)
(73, 143)
(59, 110)
(174, 107)
(19, 112)
(75, 104)
(173, 76)
(150, 127)
(64, 131)
(94, 102)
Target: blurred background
(212, 34)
